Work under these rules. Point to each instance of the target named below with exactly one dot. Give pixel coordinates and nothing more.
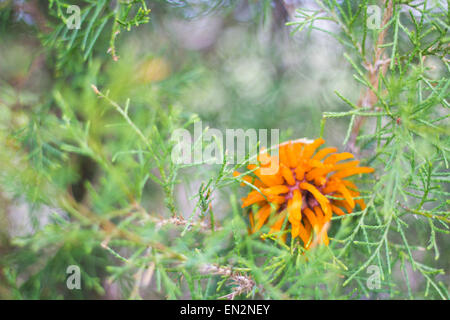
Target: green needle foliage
(87, 179)
(76, 45)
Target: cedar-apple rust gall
(307, 188)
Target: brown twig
(176, 221)
(242, 283)
(69, 204)
(368, 99)
(179, 221)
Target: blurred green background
(233, 64)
